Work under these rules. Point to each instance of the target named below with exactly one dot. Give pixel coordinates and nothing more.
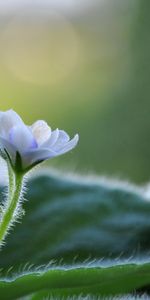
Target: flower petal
(33, 143)
(41, 132)
(41, 154)
(52, 140)
(68, 146)
(62, 139)
(22, 139)
(38, 155)
(8, 119)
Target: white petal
(41, 132)
(8, 119)
(22, 139)
(69, 146)
(11, 150)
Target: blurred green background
(83, 66)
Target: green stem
(11, 181)
(9, 213)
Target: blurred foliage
(78, 237)
(86, 72)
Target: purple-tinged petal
(52, 140)
(62, 139)
(34, 143)
(41, 154)
(34, 156)
(68, 146)
(22, 139)
(8, 119)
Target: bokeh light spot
(41, 48)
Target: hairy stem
(9, 213)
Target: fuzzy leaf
(76, 281)
(81, 222)
(80, 219)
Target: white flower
(27, 146)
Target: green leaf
(78, 219)
(76, 281)
(89, 228)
